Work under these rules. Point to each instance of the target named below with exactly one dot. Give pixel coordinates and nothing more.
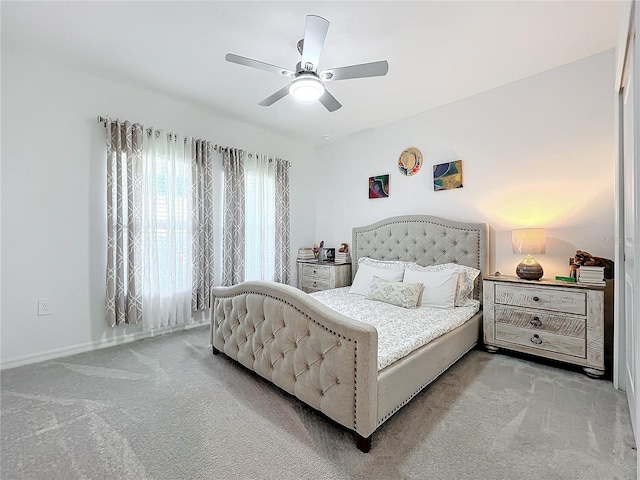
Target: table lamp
(528, 241)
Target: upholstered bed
(329, 360)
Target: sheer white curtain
(166, 230)
(260, 178)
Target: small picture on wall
(447, 175)
(379, 186)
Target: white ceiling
(438, 52)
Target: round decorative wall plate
(410, 161)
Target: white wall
(539, 152)
(53, 196)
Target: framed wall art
(447, 175)
(379, 186)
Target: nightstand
(547, 318)
(314, 276)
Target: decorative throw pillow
(466, 279)
(439, 287)
(396, 293)
(364, 277)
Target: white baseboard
(89, 346)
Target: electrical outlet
(44, 306)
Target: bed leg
(363, 444)
(214, 350)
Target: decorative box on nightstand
(314, 276)
(548, 318)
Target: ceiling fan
(308, 83)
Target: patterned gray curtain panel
(282, 269)
(233, 259)
(124, 215)
(203, 252)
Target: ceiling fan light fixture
(307, 83)
(306, 88)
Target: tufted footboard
(325, 359)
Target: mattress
(400, 330)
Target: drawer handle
(536, 339)
(315, 271)
(535, 321)
(315, 284)
(535, 299)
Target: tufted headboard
(426, 240)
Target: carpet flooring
(165, 408)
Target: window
(256, 218)
(159, 225)
(167, 224)
(166, 231)
(260, 218)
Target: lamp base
(529, 269)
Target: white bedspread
(400, 330)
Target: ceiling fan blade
(270, 100)
(315, 31)
(267, 67)
(329, 101)
(374, 69)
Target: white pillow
(364, 277)
(466, 279)
(439, 287)
(392, 264)
(401, 294)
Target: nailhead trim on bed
(292, 306)
(355, 387)
(424, 239)
(395, 252)
(355, 343)
(421, 388)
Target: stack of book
(342, 257)
(306, 254)
(591, 275)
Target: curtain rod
(218, 148)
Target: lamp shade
(529, 240)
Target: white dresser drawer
(314, 276)
(550, 342)
(556, 299)
(314, 283)
(546, 318)
(320, 272)
(569, 325)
